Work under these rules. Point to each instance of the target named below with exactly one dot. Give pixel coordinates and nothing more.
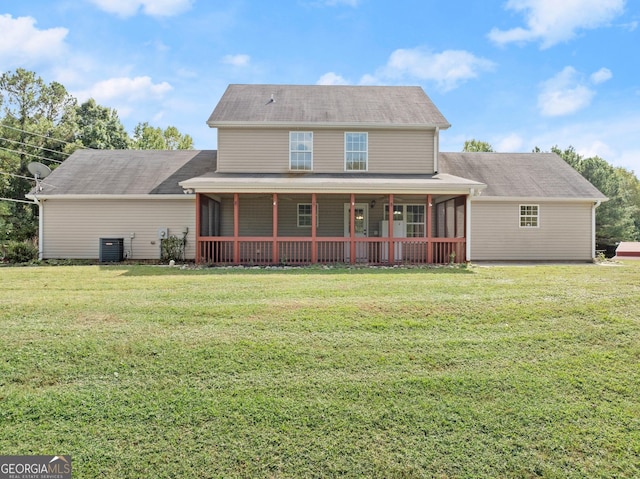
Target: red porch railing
(324, 250)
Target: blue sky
(514, 73)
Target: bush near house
(20, 252)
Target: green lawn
(147, 371)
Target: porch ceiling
(441, 183)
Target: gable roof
(521, 175)
(127, 172)
(383, 106)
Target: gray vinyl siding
(564, 232)
(247, 150)
(73, 228)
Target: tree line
(617, 219)
(43, 122)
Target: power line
(29, 154)
(34, 146)
(18, 176)
(18, 201)
(41, 136)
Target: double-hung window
(529, 216)
(305, 216)
(301, 150)
(356, 151)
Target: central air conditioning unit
(111, 250)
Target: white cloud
(240, 60)
(553, 21)
(601, 76)
(21, 43)
(564, 94)
(125, 89)
(333, 3)
(331, 78)
(447, 69)
(154, 8)
(509, 143)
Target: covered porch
(291, 226)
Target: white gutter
(330, 124)
(537, 199)
(330, 185)
(113, 197)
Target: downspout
(467, 226)
(436, 148)
(40, 227)
(593, 229)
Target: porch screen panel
(209, 217)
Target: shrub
(20, 252)
(173, 248)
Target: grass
(145, 371)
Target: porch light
(373, 203)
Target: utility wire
(34, 146)
(18, 176)
(41, 136)
(18, 201)
(29, 154)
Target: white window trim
(366, 150)
(385, 215)
(520, 216)
(298, 215)
(292, 151)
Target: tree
(616, 219)
(99, 127)
(474, 145)
(33, 126)
(147, 137)
(43, 122)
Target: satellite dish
(38, 170)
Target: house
(321, 174)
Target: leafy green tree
(43, 122)
(34, 123)
(147, 137)
(100, 127)
(616, 219)
(474, 145)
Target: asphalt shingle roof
(127, 172)
(530, 175)
(324, 104)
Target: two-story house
(321, 174)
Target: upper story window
(356, 149)
(529, 216)
(301, 150)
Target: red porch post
(429, 229)
(236, 228)
(197, 232)
(314, 222)
(352, 229)
(391, 257)
(275, 256)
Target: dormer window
(356, 151)
(301, 150)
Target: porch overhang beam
(440, 184)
